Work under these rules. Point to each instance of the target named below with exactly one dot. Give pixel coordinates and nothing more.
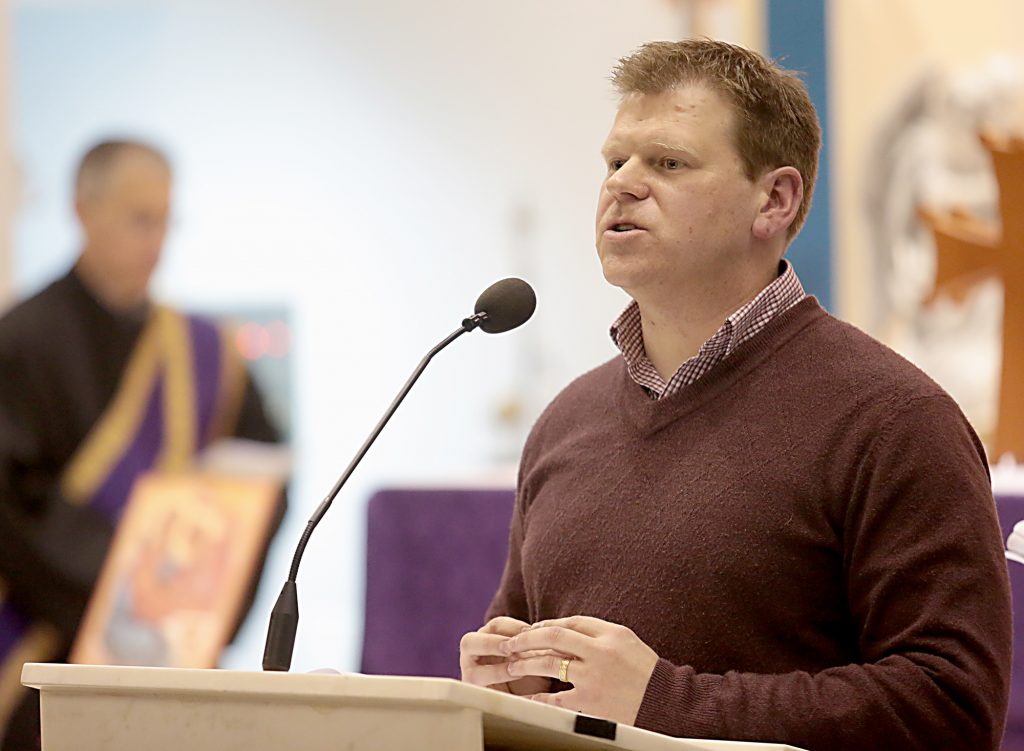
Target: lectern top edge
(499, 712)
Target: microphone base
(284, 621)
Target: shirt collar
(743, 324)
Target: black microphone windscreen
(508, 304)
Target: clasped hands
(609, 665)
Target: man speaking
(757, 523)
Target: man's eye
(670, 163)
(616, 164)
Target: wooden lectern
(93, 708)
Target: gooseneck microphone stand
(284, 620)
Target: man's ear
(783, 192)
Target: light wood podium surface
(94, 708)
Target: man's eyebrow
(612, 146)
(670, 147)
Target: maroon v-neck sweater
(806, 537)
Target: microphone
(503, 306)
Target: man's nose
(629, 181)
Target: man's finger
(556, 638)
(478, 644)
(504, 625)
(491, 674)
(583, 624)
(564, 699)
(547, 666)
(540, 653)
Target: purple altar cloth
(433, 562)
(434, 559)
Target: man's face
(126, 221)
(676, 206)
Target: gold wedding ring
(563, 670)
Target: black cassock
(62, 355)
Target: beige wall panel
(912, 83)
(879, 46)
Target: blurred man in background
(757, 523)
(98, 386)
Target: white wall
(371, 166)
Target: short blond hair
(776, 124)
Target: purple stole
(181, 389)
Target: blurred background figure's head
(122, 199)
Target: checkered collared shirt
(746, 323)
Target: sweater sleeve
(928, 594)
(510, 599)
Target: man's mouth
(623, 227)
